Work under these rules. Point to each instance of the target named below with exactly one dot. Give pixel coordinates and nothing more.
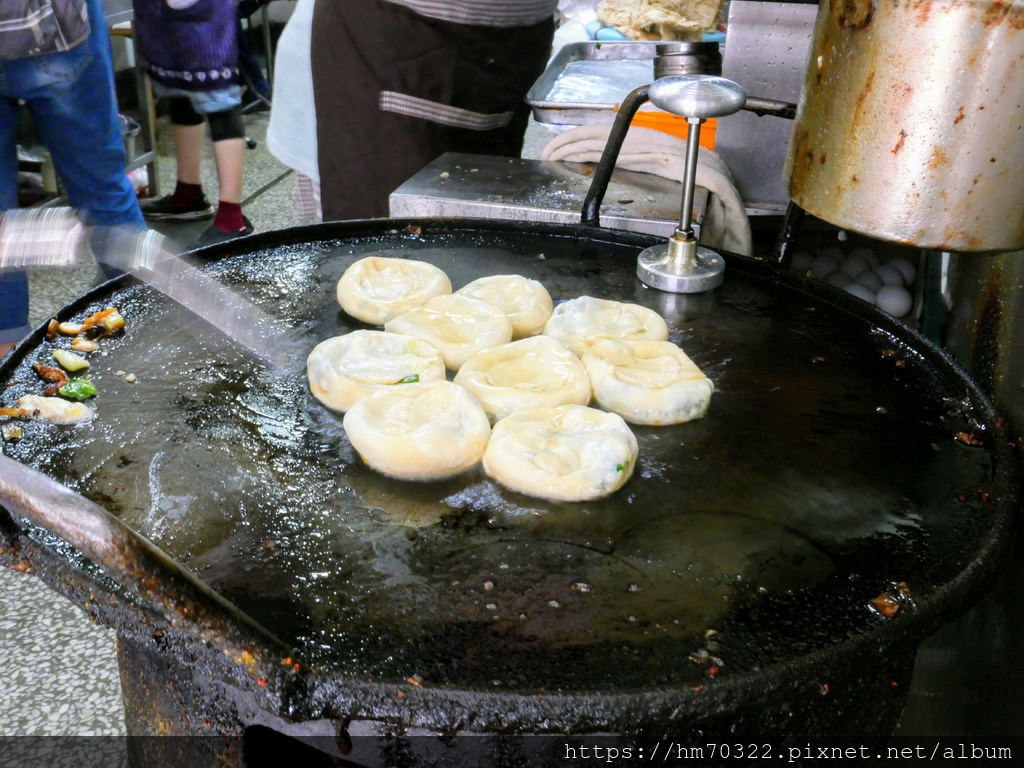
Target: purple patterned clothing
(188, 44)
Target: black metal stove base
(207, 723)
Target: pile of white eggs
(861, 273)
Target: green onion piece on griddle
(77, 389)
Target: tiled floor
(60, 675)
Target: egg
(838, 278)
(906, 268)
(869, 255)
(890, 275)
(861, 292)
(855, 264)
(802, 261)
(834, 251)
(869, 279)
(823, 265)
(894, 299)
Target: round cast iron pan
(844, 458)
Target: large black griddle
(727, 584)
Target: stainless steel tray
(585, 82)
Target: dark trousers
(458, 88)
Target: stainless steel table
(118, 12)
(481, 186)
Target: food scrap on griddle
(68, 382)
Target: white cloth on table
(291, 135)
(725, 224)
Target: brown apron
(394, 90)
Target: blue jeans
(70, 95)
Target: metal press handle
(681, 265)
(591, 215)
(139, 567)
(771, 107)
(54, 237)
(603, 172)
(696, 98)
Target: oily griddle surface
(826, 471)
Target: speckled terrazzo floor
(59, 673)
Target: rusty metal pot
(910, 124)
